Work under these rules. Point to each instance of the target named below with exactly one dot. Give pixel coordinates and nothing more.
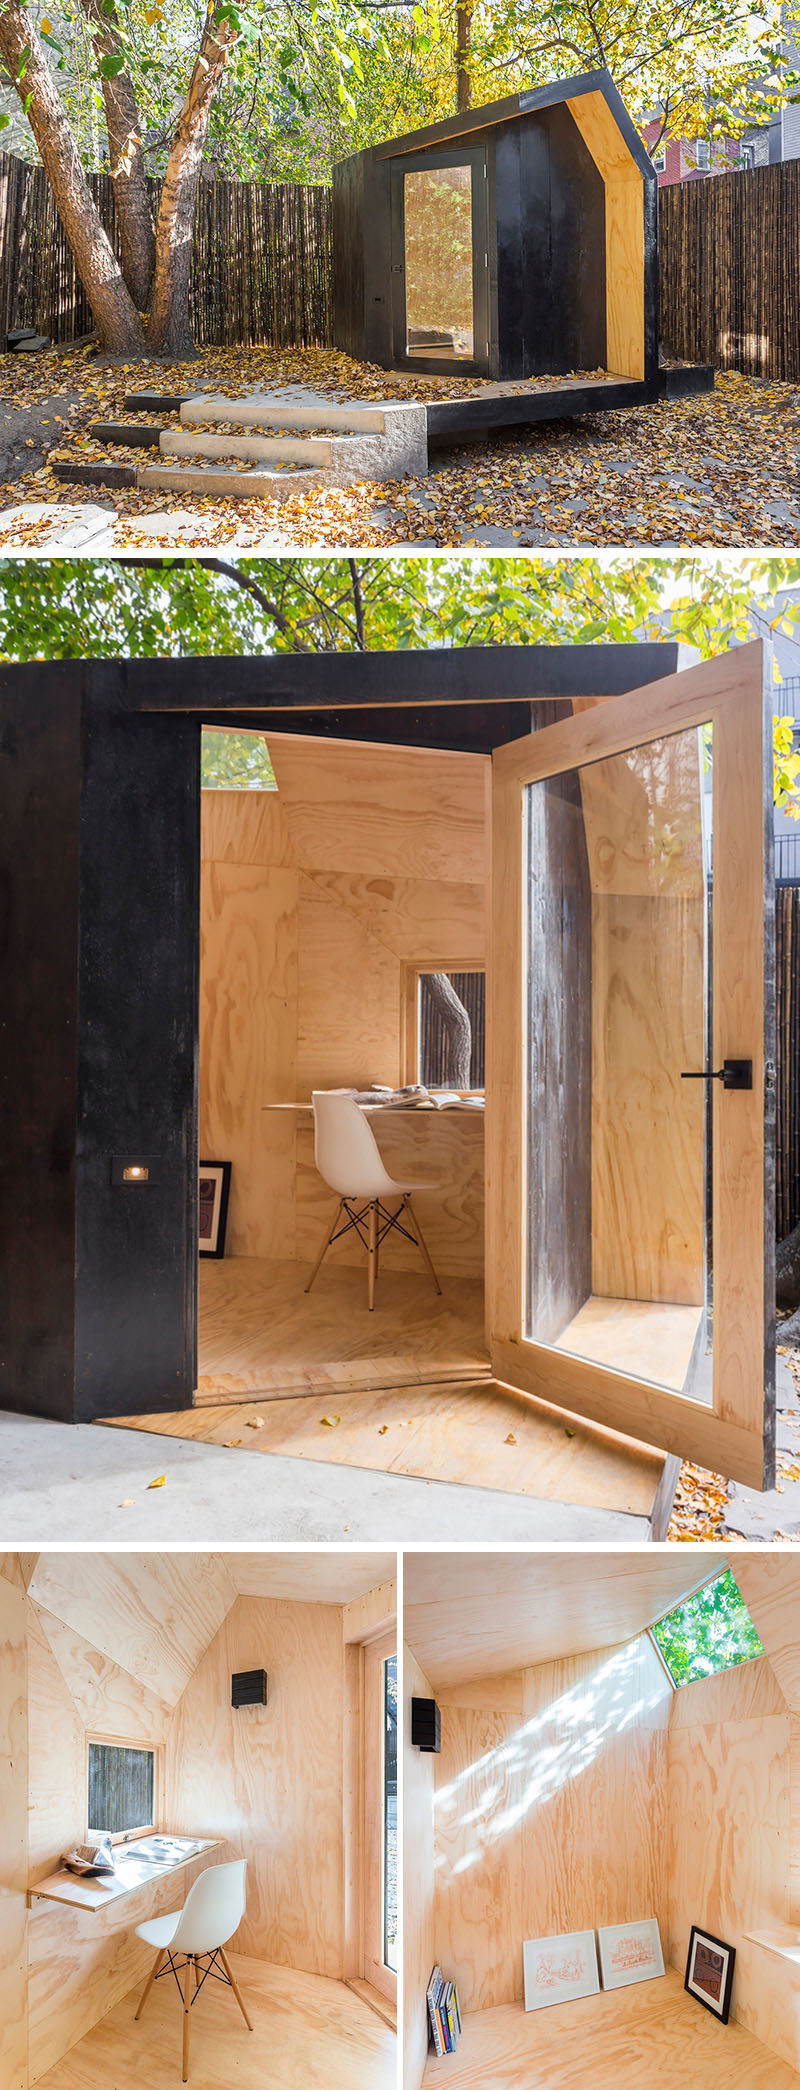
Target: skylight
(712, 1630)
(235, 759)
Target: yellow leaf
(330, 1421)
(510, 1439)
(255, 1422)
(157, 1483)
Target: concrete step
(222, 480)
(275, 413)
(156, 402)
(286, 449)
(97, 474)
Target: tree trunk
(134, 217)
(115, 315)
(464, 14)
(457, 1027)
(169, 332)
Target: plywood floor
(258, 1332)
(640, 1336)
(630, 2039)
(309, 2034)
(445, 1432)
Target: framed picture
(559, 1970)
(214, 1186)
(630, 1952)
(709, 1972)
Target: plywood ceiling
(770, 1585)
(154, 1615)
(473, 1616)
(311, 1578)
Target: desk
(135, 1868)
(442, 1147)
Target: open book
(416, 1097)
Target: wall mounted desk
(133, 1871)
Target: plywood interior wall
(730, 1838)
(643, 827)
(269, 1778)
(550, 1810)
(419, 1926)
(314, 898)
(624, 196)
(266, 1781)
(13, 1831)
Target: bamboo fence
(260, 268)
(729, 250)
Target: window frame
(715, 1575)
(115, 1741)
(413, 971)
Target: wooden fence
(730, 270)
(261, 267)
(729, 247)
(787, 983)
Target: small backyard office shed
(514, 241)
(584, 832)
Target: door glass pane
(438, 263)
(390, 1813)
(619, 888)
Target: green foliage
(713, 1630)
(70, 609)
(235, 761)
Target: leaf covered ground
(718, 469)
(708, 1507)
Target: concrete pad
(64, 1484)
(71, 527)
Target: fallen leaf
(330, 1421)
(510, 1439)
(231, 1442)
(255, 1422)
(129, 1502)
(157, 1483)
(383, 1429)
(568, 1432)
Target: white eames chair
(349, 1160)
(212, 1911)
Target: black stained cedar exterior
(545, 249)
(100, 880)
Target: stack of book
(444, 2013)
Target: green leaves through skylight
(712, 1630)
(236, 761)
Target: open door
(630, 1223)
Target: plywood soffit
(312, 1577)
(770, 1586)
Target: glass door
(630, 1092)
(440, 261)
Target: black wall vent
(249, 1687)
(426, 1725)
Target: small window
(712, 1630)
(449, 1030)
(701, 153)
(234, 760)
(660, 160)
(121, 1789)
(747, 156)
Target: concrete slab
(66, 1485)
(280, 449)
(221, 480)
(300, 407)
(71, 527)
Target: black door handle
(734, 1074)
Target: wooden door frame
(736, 1435)
(109, 752)
(476, 157)
(381, 1977)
